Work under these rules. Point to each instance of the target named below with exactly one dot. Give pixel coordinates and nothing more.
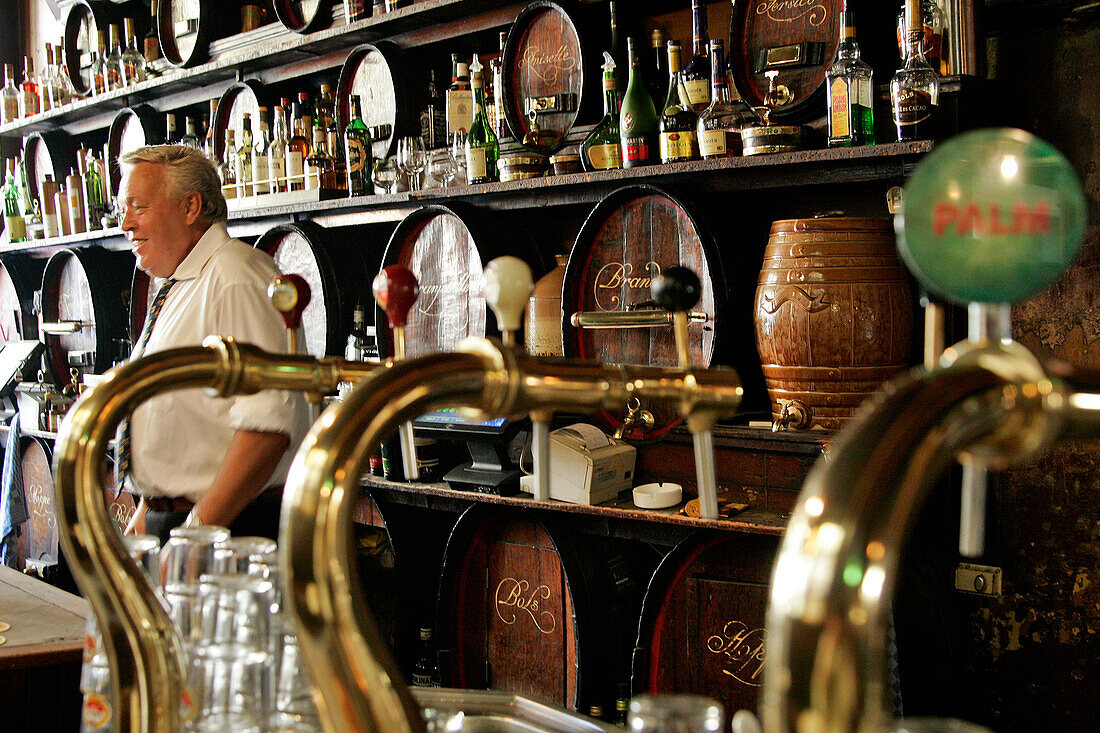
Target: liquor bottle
(497, 67)
(190, 134)
(171, 130)
(9, 96)
(151, 43)
(602, 149)
(935, 23)
(482, 148)
(319, 167)
(460, 98)
(433, 118)
(276, 153)
(638, 123)
(244, 157)
(849, 88)
(95, 205)
(252, 15)
(325, 107)
(357, 146)
(63, 86)
(617, 47)
(74, 193)
(696, 75)
(426, 668)
(114, 59)
(356, 10)
(915, 88)
(45, 82)
(720, 124)
(227, 168)
(305, 112)
(100, 73)
(132, 64)
(28, 100)
(208, 145)
(297, 150)
(46, 191)
(678, 120)
(326, 116)
(656, 76)
(14, 224)
(261, 171)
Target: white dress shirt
(178, 440)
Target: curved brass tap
(834, 576)
(142, 647)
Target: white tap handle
(508, 285)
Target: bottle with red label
(638, 123)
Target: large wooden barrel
(131, 128)
(447, 248)
(628, 239)
(243, 96)
(304, 16)
(48, 152)
(797, 39)
(85, 293)
(83, 20)
(834, 314)
(378, 74)
(339, 270)
(20, 277)
(701, 628)
(545, 59)
(186, 29)
(39, 541)
(526, 606)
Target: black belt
(183, 504)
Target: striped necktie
(122, 444)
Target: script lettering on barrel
(517, 595)
(742, 651)
(430, 293)
(787, 11)
(980, 221)
(548, 67)
(796, 296)
(614, 277)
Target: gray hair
(187, 170)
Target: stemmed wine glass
(412, 158)
(458, 151)
(385, 174)
(443, 167)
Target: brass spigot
(396, 289)
(635, 416)
(793, 415)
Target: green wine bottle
(602, 149)
(357, 147)
(482, 148)
(638, 126)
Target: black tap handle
(677, 289)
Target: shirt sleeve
(244, 312)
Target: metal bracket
(981, 580)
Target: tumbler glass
(674, 714)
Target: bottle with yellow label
(602, 149)
(678, 120)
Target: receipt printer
(587, 466)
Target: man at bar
(194, 459)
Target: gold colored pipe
(354, 691)
(141, 643)
(834, 576)
(651, 318)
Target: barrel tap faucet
(677, 290)
(290, 295)
(396, 289)
(508, 286)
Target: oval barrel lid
(20, 278)
(131, 128)
(186, 28)
(304, 16)
(627, 240)
(10, 326)
(797, 39)
(376, 73)
(241, 97)
(543, 69)
(991, 216)
(48, 151)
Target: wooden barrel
(529, 607)
(83, 20)
(131, 128)
(338, 270)
(834, 314)
(243, 96)
(544, 62)
(39, 541)
(20, 277)
(447, 248)
(701, 628)
(49, 152)
(186, 29)
(378, 74)
(797, 39)
(304, 16)
(87, 290)
(628, 239)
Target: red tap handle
(290, 295)
(396, 289)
